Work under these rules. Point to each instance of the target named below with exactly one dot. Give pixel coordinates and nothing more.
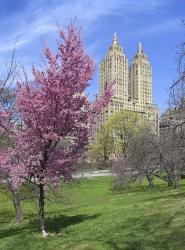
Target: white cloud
(42, 19)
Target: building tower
(140, 78)
(114, 69)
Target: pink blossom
(55, 114)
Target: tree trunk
(169, 178)
(149, 178)
(17, 207)
(176, 182)
(170, 184)
(41, 210)
(176, 179)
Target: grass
(97, 218)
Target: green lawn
(97, 218)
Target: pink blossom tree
(9, 167)
(12, 170)
(56, 114)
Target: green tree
(122, 127)
(101, 148)
(113, 138)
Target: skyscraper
(140, 78)
(132, 85)
(114, 68)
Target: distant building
(132, 85)
(170, 121)
(165, 122)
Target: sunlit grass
(98, 218)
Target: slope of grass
(97, 218)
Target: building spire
(139, 50)
(115, 39)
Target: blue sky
(156, 23)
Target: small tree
(172, 152)
(113, 138)
(144, 155)
(121, 172)
(173, 143)
(56, 114)
(122, 126)
(101, 148)
(8, 125)
(112, 143)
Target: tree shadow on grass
(172, 240)
(132, 189)
(113, 245)
(55, 224)
(6, 216)
(155, 231)
(167, 196)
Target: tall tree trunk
(169, 178)
(17, 207)
(41, 210)
(176, 179)
(170, 183)
(149, 178)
